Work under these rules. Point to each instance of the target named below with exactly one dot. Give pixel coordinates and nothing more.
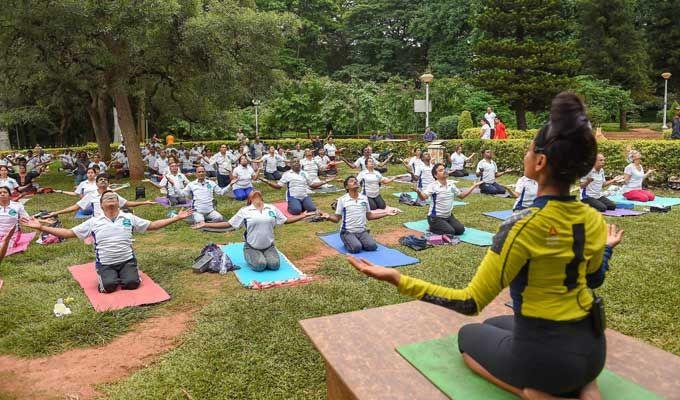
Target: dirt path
(75, 373)
(634, 134)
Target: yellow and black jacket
(549, 254)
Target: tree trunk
(127, 125)
(97, 110)
(623, 122)
(5, 143)
(521, 114)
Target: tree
(525, 54)
(192, 56)
(613, 48)
(662, 27)
(464, 122)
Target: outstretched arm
(219, 225)
(317, 185)
(296, 218)
(66, 210)
(469, 190)
(161, 223)
(131, 204)
(377, 214)
(353, 166)
(270, 183)
(35, 224)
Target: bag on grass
(414, 242)
(213, 259)
(406, 198)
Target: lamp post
(427, 78)
(256, 103)
(665, 76)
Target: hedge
(663, 155)
(474, 133)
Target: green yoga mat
(471, 235)
(442, 364)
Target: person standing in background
(499, 129)
(490, 118)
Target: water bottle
(223, 266)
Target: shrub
(473, 133)
(464, 122)
(447, 127)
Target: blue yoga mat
(247, 276)
(471, 235)
(658, 201)
(502, 215)
(383, 256)
(415, 196)
(80, 214)
(471, 177)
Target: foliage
(464, 122)
(604, 100)
(474, 133)
(612, 46)
(447, 127)
(525, 54)
(662, 29)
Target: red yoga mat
(22, 244)
(148, 292)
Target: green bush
(464, 122)
(447, 127)
(473, 133)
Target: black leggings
(559, 358)
(602, 204)
(376, 203)
(459, 173)
(445, 226)
(491, 188)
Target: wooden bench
(361, 361)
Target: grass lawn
(248, 344)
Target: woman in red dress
(501, 133)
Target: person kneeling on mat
(260, 220)
(297, 188)
(174, 183)
(440, 219)
(201, 192)
(370, 181)
(487, 171)
(550, 255)
(355, 212)
(592, 185)
(116, 263)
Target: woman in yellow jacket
(550, 255)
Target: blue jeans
(242, 194)
(296, 206)
(223, 180)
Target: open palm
(375, 271)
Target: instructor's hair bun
(567, 140)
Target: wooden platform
(361, 361)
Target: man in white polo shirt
(298, 186)
(593, 184)
(92, 200)
(202, 193)
(112, 231)
(174, 183)
(354, 210)
(223, 161)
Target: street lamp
(665, 76)
(427, 78)
(256, 103)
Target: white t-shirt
(636, 178)
(490, 169)
(353, 212)
(330, 149)
(311, 168)
(223, 162)
(112, 238)
(9, 182)
(594, 188)
(93, 199)
(150, 160)
(271, 162)
(10, 215)
(424, 174)
(259, 224)
(299, 154)
(491, 118)
(202, 194)
(207, 165)
(187, 163)
(458, 161)
(322, 162)
(244, 177)
(281, 160)
(414, 162)
(442, 198)
(162, 165)
(486, 132)
(527, 189)
(86, 187)
(176, 188)
(297, 185)
(361, 162)
(370, 182)
(100, 164)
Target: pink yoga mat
(283, 206)
(622, 212)
(148, 292)
(22, 244)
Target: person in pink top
(634, 175)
